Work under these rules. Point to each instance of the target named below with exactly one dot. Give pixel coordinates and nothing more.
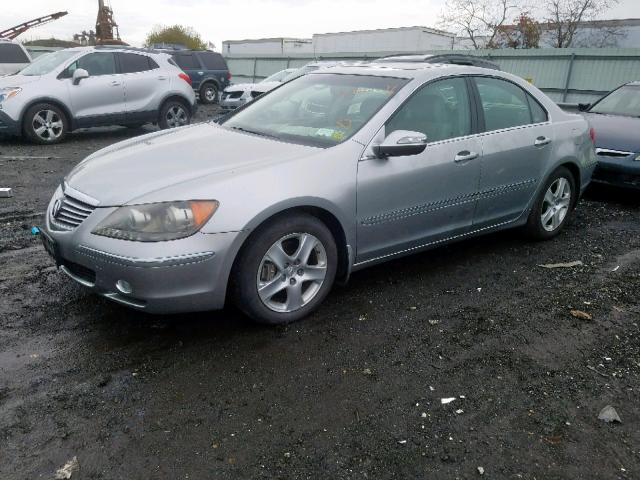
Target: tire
(294, 289)
(209, 93)
(555, 202)
(173, 114)
(45, 124)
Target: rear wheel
(45, 124)
(553, 206)
(286, 270)
(173, 114)
(209, 93)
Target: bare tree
(564, 18)
(479, 20)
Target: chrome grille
(71, 212)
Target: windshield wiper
(246, 130)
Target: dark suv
(208, 72)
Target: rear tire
(286, 269)
(45, 124)
(553, 207)
(173, 114)
(209, 93)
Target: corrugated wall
(566, 75)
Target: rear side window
(212, 61)
(186, 61)
(440, 110)
(506, 105)
(12, 53)
(132, 63)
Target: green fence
(566, 75)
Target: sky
(218, 20)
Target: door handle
(542, 141)
(115, 83)
(162, 77)
(465, 156)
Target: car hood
(240, 87)
(127, 171)
(616, 132)
(265, 86)
(17, 80)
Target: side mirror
(583, 107)
(401, 143)
(79, 74)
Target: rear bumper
(621, 172)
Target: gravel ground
(353, 391)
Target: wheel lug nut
(292, 281)
(300, 272)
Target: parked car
(237, 95)
(13, 57)
(330, 173)
(208, 71)
(445, 58)
(616, 118)
(93, 86)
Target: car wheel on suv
(45, 123)
(209, 93)
(173, 114)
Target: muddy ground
(353, 391)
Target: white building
(268, 46)
(391, 40)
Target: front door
(99, 99)
(516, 146)
(407, 202)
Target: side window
(132, 63)
(440, 110)
(12, 53)
(186, 61)
(504, 104)
(538, 114)
(213, 61)
(95, 63)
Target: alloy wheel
(556, 204)
(292, 272)
(177, 116)
(47, 125)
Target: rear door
(408, 202)
(99, 99)
(190, 64)
(515, 146)
(142, 79)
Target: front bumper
(618, 172)
(179, 276)
(229, 103)
(8, 126)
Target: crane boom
(13, 32)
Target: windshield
(278, 76)
(47, 63)
(317, 110)
(623, 101)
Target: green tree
(179, 34)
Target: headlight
(157, 222)
(7, 93)
(637, 159)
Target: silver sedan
(330, 173)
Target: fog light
(124, 287)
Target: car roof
(453, 58)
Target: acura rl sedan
(330, 173)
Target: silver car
(94, 86)
(238, 94)
(330, 173)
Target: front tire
(286, 269)
(209, 93)
(554, 205)
(45, 124)
(174, 114)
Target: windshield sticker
(325, 132)
(338, 136)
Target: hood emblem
(57, 205)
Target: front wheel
(553, 206)
(173, 114)
(46, 124)
(286, 270)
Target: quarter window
(506, 105)
(440, 110)
(213, 61)
(186, 61)
(12, 53)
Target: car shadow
(621, 196)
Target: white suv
(13, 57)
(94, 86)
